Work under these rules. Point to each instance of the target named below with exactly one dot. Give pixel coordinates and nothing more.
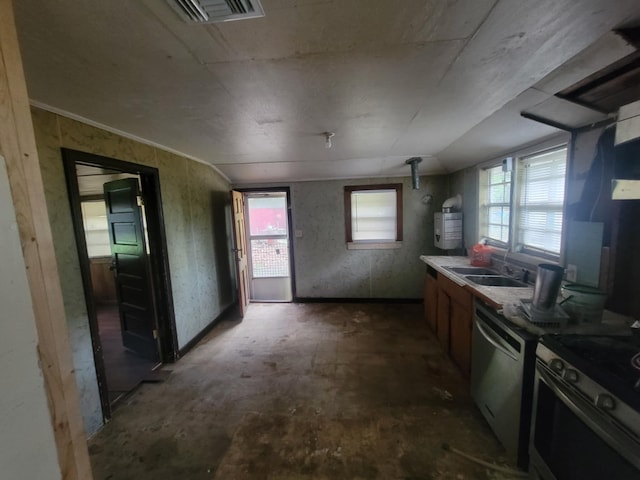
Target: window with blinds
(96, 228)
(373, 213)
(540, 198)
(495, 204)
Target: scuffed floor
(303, 391)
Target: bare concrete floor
(303, 391)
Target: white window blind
(373, 215)
(495, 204)
(540, 200)
(96, 228)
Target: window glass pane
(495, 215)
(267, 215)
(373, 215)
(494, 204)
(496, 194)
(505, 215)
(495, 232)
(541, 198)
(96, 228)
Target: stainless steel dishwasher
(502, 373)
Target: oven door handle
(489, 338)
(627, 446)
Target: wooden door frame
(287, 192)
(158, 256)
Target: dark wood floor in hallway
(124, 369)
(303, 391)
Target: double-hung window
(540, 199)
(495, 204)
(373, 215)
(522, 209)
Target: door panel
(442, 327)
(134, 287)
(125, 234)
(460, 340)
(240, 249)
(431, 301)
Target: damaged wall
(195, 200)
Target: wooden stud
(18, 147)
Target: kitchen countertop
(496, 297)
(505, 300)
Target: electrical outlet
(572, 273)
(298, 233)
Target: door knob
(556, 365)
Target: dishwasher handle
(497, 343)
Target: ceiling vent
(215, 11)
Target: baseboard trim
(356, 300)
(194, 341)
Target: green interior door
(134, 286)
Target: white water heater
(447, 230)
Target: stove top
(605, 359)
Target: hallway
(302, 391)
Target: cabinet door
(461, 324)
(431, 301)
(442, 328)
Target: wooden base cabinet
(444, 312)
(461, 327)
(431, 298)
(455, 321)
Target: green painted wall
(196, 213)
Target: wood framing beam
(18, 147)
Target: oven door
(571, 439)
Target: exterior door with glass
(270, 263)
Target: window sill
(373, 245)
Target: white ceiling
(442, 79)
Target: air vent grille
(214, 11)
(237, 6)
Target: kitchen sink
(495, 281)
(471, 270)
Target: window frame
(517, 205)
(483, 209)
(511, 247)
(372, 244)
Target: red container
(480, 255)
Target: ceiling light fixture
(327, 139)
(415, 179)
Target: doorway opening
(119, 228)
(269, 245)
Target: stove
(586, 421)
(607, 360)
